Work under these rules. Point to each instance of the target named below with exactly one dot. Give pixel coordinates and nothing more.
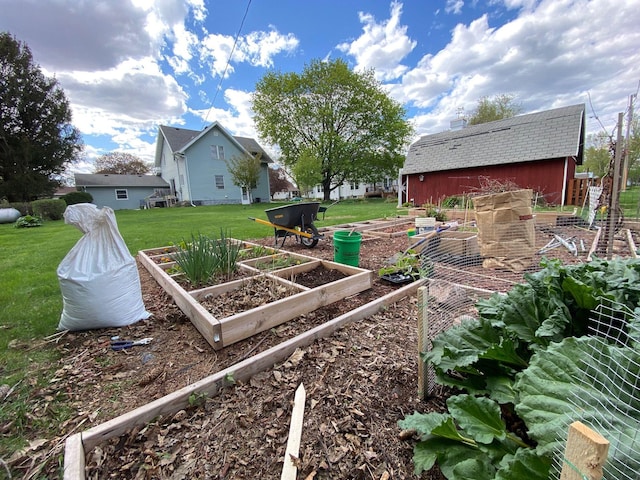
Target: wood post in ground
(424, 385)
(585, 454)
(292, 452)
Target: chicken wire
(617, 416)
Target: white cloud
(256, 49)
(382, 46)
(547, 57)
(259, 48)
(454, 6)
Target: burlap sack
(506, 233)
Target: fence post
(424, 386)
(585, 454)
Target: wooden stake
(585, 454)
(424, 389)
(289, 469)
(74, 461)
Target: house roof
(556, 133)
(179, 139)
(113, 180)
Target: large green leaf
(478, 417)
(423, 423)
(457, 454)
(525, 464)
(582, 379)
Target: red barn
(538, 151)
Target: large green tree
(496, 108)
(343, 119)
(597, 155)
(37, 140)
(121, 163)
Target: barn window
(122, 194)
(219, 182)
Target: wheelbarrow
(294, 220)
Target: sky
(129, 66)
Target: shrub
(28, 221)
(23, 207)
(49, 209)
(72, 198)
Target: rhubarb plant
(524, 354)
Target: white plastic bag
(98, 277)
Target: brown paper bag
(506, 233)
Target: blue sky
(128, 66)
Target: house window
(386, 183)
(219, 182)
(217, 152)
(122, 194)
(355, 186)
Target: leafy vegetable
(470, 442)
(521, 351)
(588, 376)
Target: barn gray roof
(556, 133)
(113, 180)
(178, 138)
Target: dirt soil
(359, 383)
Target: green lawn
(30, 295)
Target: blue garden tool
(124, 344)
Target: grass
(32, 303)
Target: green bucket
(346, 247)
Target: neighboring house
(538, 151)
(193, 163)
(62, 191)
(121, 192)
(358, 190)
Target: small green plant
(409, 263)
(255, 251)
(197, 399)
(202, 258)
(275, 262)
(433, 211)
(28, 221)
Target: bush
(28, 221)
(72, 198)
(23, 207)
(49, 209)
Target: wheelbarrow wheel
(309, 242)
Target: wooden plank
(245, 324)
(206, 324)
(74, 459)
(585, 454)
(631, 243)
(303, 267)
(424, 389)
(594, 244)
(289, 469)
(241, 371)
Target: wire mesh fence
(465, 262)
(607, 398)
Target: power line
(235, 42)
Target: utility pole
(625, 168)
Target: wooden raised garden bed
(300, 299)
(78, 445)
